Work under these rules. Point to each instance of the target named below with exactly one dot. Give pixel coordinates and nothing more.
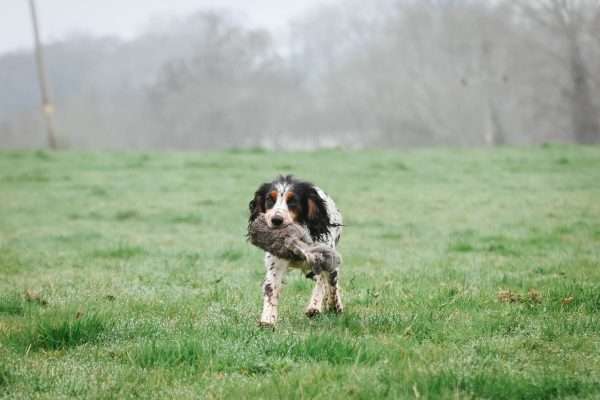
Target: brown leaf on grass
(506, 296)
(567, 300)
(34, 297)
(534, 295)
(79, 314)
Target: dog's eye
(269, 202)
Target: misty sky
(127, 18)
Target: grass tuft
(503, 386)
(122, 250)
(250, 353)
(168, 353)
(11, 304)
(335, 350)
(6, 376)
(461, 247)
(126, 215)
(192, 219)
(53, 332)
(232, 255)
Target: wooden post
(47, 107)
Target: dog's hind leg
(276, 270)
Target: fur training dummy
(293, 242)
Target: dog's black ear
(316, 215)
(257, 204)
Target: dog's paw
(266, 325)
(312, 312)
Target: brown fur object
(293, 242)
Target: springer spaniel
(287, 200)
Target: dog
(289, 200)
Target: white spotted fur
(324, 295)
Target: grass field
(468, 274)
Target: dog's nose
(277, 220)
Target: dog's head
(287, 200)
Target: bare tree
(569, 21)
(47, 107)
(355, 73)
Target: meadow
(467, 274)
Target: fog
(348, 74)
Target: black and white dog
(287, 200)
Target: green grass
(11, 304)
(5, 377)
(467, 274)
(57, 332)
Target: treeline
(354, 74)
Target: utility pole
(47, 107)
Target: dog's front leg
(335, 296)
(276, 269)
(319, 295)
